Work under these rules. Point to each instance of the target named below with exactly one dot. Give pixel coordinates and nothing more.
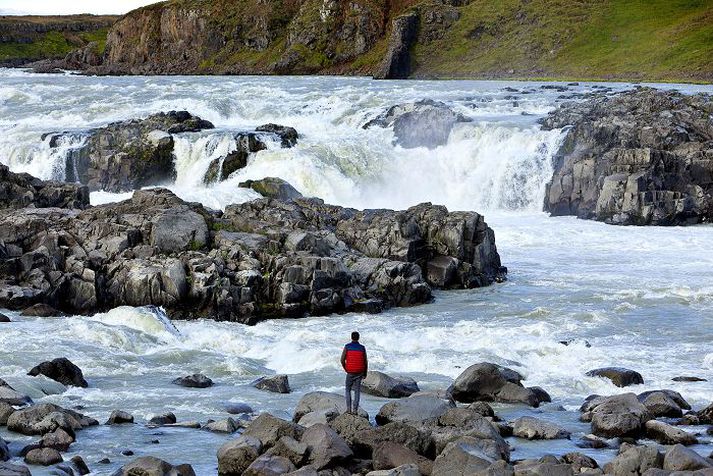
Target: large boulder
(61, 370)
(420, 441)
(128, 155)
(348, 425)
(326, 447)
(58, 440)
(616, 416)
(328, 403)
(639, 157)
(294, 451)
(424, 123)
(620, 377)
(680, 458)
(664, 403)
(383, 385)
(10, 396)
(45, 418)
(667, 434)
(269, 429)
(43, 457)
(235, 456)
(269, 465)
(389, 455)
(460, 422)
(462, 457)
(536, 429)
(490, 382)
(119, 417)
(415, 409)
(152, 466)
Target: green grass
(576, 39)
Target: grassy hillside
(575, 39)
(30, 38)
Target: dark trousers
(353, 382)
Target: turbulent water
(635, 297)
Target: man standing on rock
(355, 364)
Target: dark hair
(355, 335)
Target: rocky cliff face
(643, 157)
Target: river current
(636, 297)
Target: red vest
(356, 358)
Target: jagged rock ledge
(263, 259)
(641, 157)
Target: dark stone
(80, 465)
(41, 310)
(194, 381)
(383, 385)
(238, 408)
(272, 187)
(619, 376)
(491, 382)
(688, 379)
(119, 417)
(23, 190)
(164, 419)
(275, 384)
(43, 457)
(288, 135)
(4, 318)
(397, 61)
(61, 370)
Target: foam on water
(635, 297)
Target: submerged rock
(194, 381)
(490, 382)
(424, 123)
(619, 376)
(61, 370)
(275, 384)
(262, 259)
(640, 157)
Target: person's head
(355, 336)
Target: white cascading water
(635, 297)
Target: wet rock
(152, 466)
(390, 455)
(619, 376)
(347, 426)
(288, 135)
(223, 426)
(194, 381)
(164, 419)
(680, 458)
(58, 440)
(119, 417)
(128, 155)
(541, 394)
(461, 458)
(396, 64)
(235, 456)
(80, 465)
(287, 447)
(326, 447)
(238, 408)
(684, 378)
(275, 384)
(45, 418)
(43, 457)
(638, 157)
(592, 441)
(490, 382)
(482, 408)
(580, 462)
(664, 403)
(616, 416)
(104, 461)
(127, 453)
(424, 123)
(705, 416)
(667, 434)
(272, 187)
(23, 190)
(61, 370)
(415, 409)
(41, 310)
(635, 460)
(535, 429)
(404, 470)
(267, 465)
(269, 429)
(4, 318)
(383, 385)
(7, 469)
(10, 396)
(4, 451)
(420, 441)
(461, 422)
(221, 168)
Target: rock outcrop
(262, 259)
(24, 190)
(642, 157)
(424, 123)
(127, 155)
(61, 370)
(492, 383)
(397, 61)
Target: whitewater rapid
(635, 297)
